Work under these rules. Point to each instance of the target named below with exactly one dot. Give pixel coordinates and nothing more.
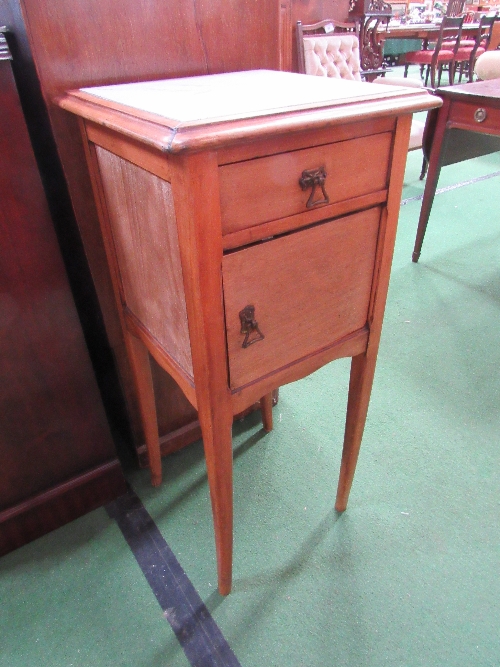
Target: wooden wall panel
(75, 43)
(239, 34)
(309, 11)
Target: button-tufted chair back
(329, 48)
(335, 56)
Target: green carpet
(408, 576)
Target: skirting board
(59, 505)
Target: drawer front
(308, 289)
(264, 189)
(477, 117)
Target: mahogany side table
(466, 126)
(249, 220)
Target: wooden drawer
(475, 116)
(264, 189)
(309, 289)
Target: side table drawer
(268, 188)
(475, 116)
(309, 289)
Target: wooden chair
(467, 53)
(437, 57)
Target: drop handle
(250, 327)
(314, 178)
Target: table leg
(197, 208)
(432, 178)
(360, 385)
(141, 371)
(266, 407)
(216, 428)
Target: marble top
(235, 95)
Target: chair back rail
(455, 8)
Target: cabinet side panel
(142, 221)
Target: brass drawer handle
(250, 326)
(312, 178)
(480, 115)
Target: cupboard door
(308, 289)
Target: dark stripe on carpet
(453, 187)
(200, 637)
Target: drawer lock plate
(250, 326)
(313, 178)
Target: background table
(421, 31)
(466, 126)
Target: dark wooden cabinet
(57, 457)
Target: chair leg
(406, 71)
(461, 71)
(423, 171)
(266, 408)
(141, 371)
(433, 77)
(451, 72)
(427, 72)
(471, 70)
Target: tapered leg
(432, 178)
(360, 385)
(217, 443)
(195, 187)
(266, 408)
(141, 370)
